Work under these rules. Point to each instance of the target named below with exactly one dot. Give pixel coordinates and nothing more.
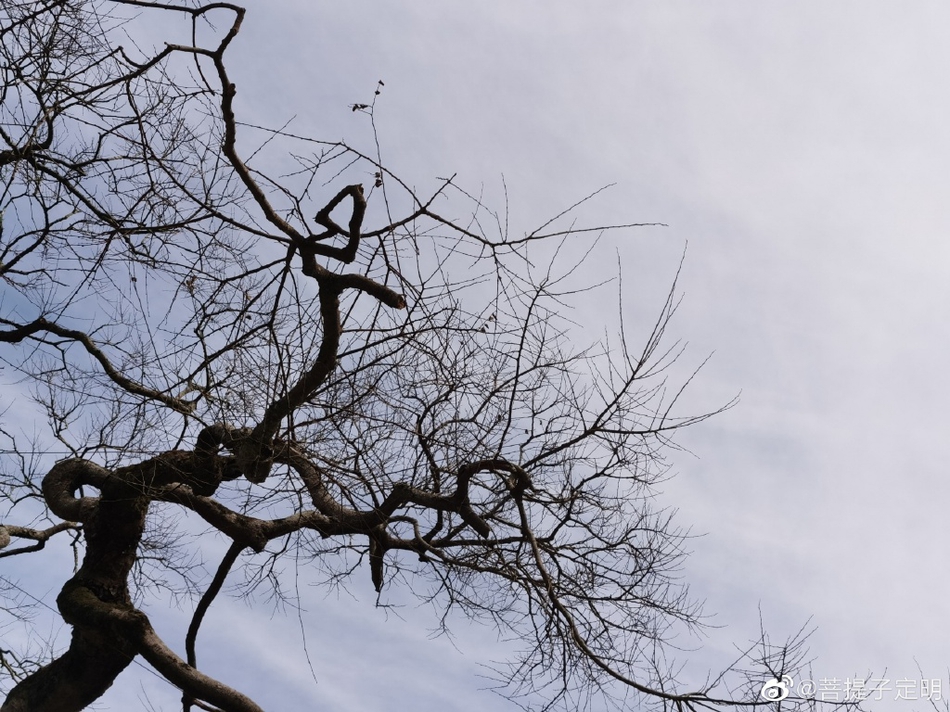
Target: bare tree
(376, 387)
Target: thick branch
(347, 253)
(194, 682)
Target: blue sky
(801, 151)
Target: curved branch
(62, 481)
(194, 682)
(22, 331)
(40, 536)
(347, 253)
(208, 598)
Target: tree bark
(107, 629)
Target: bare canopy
(277, 335)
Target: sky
(798, 154)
